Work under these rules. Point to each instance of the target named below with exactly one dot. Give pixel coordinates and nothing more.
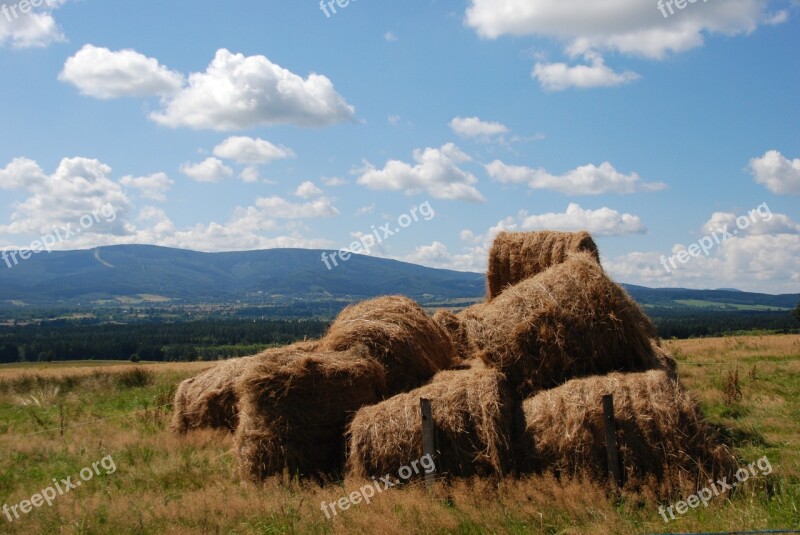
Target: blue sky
(269, 124)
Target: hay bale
(663, 442)
(516, 256)
(457, 331)
(569, 321)
(399, 334)
(295, 406)
(664, 360)
(472, 412)
(209, 400)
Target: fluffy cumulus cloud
(600, 222)
(627, 26)
(35, 26)
(560, 76)
(235, 92)
(584, 180)
(307, 190)
(754, 251)
(473, 253)
(153, 187)
(777, 172)
(82, 195)
(106, 74)
(435, 172)
(209, 170)
(474, 127)
(250, 151)
(238, 92)
(79, 187)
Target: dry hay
(472, 413)
(665, 361)
(209, 400)
(399, 334)
(516, 256)
(295, 406)
(457, 331)
(569, 321)
(663, 442)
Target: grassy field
(56, 420)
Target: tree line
(189, 341)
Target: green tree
(796, 312)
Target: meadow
(57, 419)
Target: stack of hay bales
(399, 334)
(516, 256)
(471, 409)
(515, 384)
(661, 437)
(294, 408)
(209, 400)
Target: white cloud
(627, 26)
(35, 29)
(779, 174)
(390, 37)
(82, 186)
(584, 180)
(364, 210)
(250, 151)
(560, 76)
(436, 172)
(279, 208)
(333, 181)
(761, 255)
(153, 187)
(250, 174)
(394, 120)
(307, 190)
(601, 222)
(77, 188)
(209, 170)
(237, 92)
(474, 127)
(101, 73)
(473, 255)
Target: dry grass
(188, 484)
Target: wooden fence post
(610, 425)
(428, 438)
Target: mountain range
(157, 274)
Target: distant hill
(111, 273)
(126, 273)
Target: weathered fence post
(428, 438)
(610, 425)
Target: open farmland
(57, 419)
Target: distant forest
(219, 339)
(197, 340)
